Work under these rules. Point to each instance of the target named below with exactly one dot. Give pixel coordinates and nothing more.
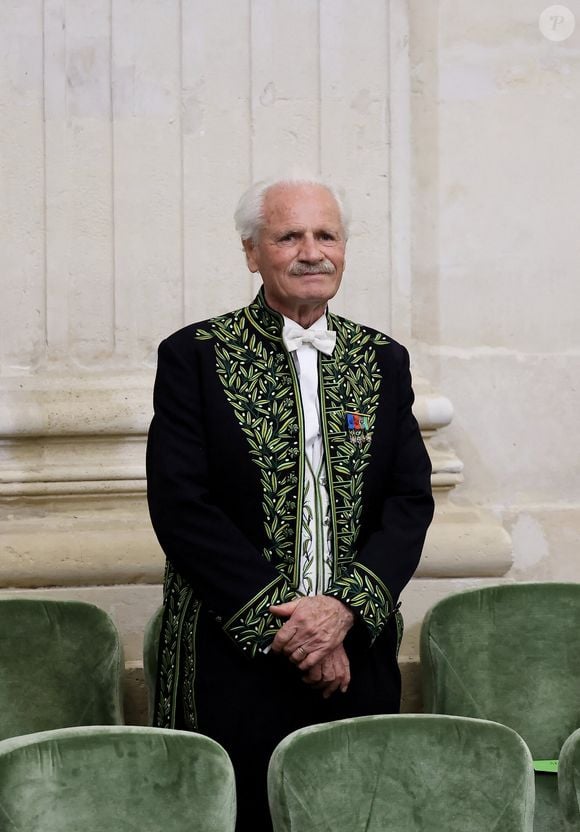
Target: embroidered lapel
(350, 383)
(260, 384)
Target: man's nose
(310, 250)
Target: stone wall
(127, 132)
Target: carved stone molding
(72, 488)
(464, 541)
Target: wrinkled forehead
(300, 205)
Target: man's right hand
(331, 673)
(315, 626)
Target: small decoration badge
(357, 428)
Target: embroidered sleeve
(366, 595)
(253, 627)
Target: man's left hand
(316, 626)
(331, 674)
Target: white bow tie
(294, 336)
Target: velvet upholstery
(569, 782)
(107, 778)
(150, 657)
(60, 666)
(402, 773)
(511, 654)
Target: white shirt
(315, 550)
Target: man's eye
(287, 238)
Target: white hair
(249, 214)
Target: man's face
(300, 250)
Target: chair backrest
(150, 656)
(60, 665)
(569, 782)
(510, 654)
(103, 778)
(402, 773)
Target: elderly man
(290, 490)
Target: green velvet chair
(511, 654)
(569, 782)
(108, 778)
(150, 656)
(402, 773)
(60, 666)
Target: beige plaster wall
(495, 252)
(496, 120)
(127, 132)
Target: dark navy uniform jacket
(225, 480)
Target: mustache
(324, 267)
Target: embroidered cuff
(366, 595)
(253, 627)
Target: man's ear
(251, 259)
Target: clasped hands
(312, 638)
